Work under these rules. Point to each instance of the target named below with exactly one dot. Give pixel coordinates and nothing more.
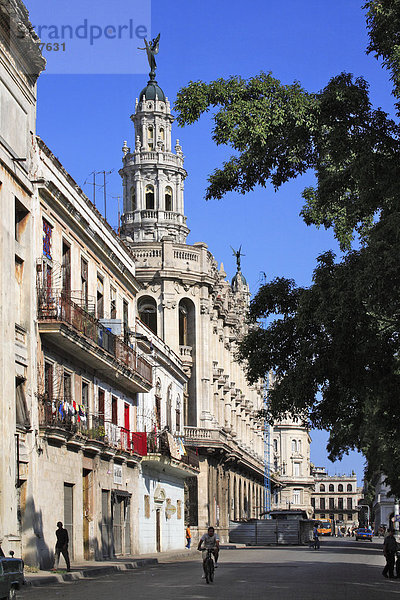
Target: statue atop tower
(152, 48)
(153, 174)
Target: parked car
(11, 577)
(363, 534)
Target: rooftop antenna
(119, 214)
(94, 173)
(104, 189)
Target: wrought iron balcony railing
(57, 305)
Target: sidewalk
(91, 569)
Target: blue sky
(84, 119)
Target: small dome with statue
(152, 91)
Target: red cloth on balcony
(139, 442)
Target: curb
(89, 572)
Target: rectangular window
(296, 496)
(331, 503)
(322, 503)
(340, 503)
(66, 267)
(158, 412)
(349, 504)
(100, 404)
(340, 517)
(100, 298)
(147, 506)
(322, 515)
(21, 218)
(84, 282)
(349, 517)
(296, 472)
(47, 232)
(125, 317)
(113, 303)
(114, 410)
(313, 502)
(48, 381)
(85, 394)
(67, 387)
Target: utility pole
(267, 450)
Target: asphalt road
(341, 569)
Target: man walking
(62, 546)
(389, 552)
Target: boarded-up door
(86, 478)
(117, 523)
(158, 530)
(69, 515)
(105, 523)
(127, 525)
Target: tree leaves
(334, 347)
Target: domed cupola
(152, 91)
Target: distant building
(383, 504)
(335, 497)
(290, 465)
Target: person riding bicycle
(209, 541)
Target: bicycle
(208, 566)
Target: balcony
(185, 353)
(217, 440)
(74, 330)
(61, 423)
(165, 453)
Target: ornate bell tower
(153, 174)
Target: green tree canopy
(334, 346)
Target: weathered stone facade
(20, 65)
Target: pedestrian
(61, 546)
(389, 552)
(188, 536)
(316, 537)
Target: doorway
(86, 511)
(158, 530)
(69, 515)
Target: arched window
(299, 445)
(349, 487)
(149, 197)
(331, 487)
(169, 408)
(275, 445)
(340, 487)
(133, 198)
(162, 134)
(147, 310)
(157, 405)
(150, 137)
(294, 446)
(178, 410)
(183, 324)
(322, 487)
(168, 199)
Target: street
(343, 569)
